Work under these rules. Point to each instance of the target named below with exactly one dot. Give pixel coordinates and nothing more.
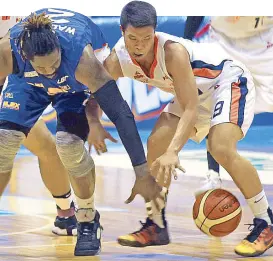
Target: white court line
(33, 229)
(50, 225)
(105, 242)
(52, 245)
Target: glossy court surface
(28, 211)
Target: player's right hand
(147, 187)
(97, 136)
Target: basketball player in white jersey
(42, 144)
(248, 39)
(224, 109)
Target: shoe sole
(63, 232)
(87, 253)
(138, 244)
(252, 255)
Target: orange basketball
(217, 212)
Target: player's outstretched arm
(179, 67)
(91, 73)
(98, 134)
(5, 57)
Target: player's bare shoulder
(175, 54)
(112, 65)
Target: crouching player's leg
(234, 103)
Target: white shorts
(257, 54)
(231, 100)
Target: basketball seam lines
(212, 209)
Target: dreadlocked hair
(37, 37)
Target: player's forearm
(111, 102)
(184, 129)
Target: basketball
(217, 212)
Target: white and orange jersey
(207, 60)
(6, 22)
(237, 27)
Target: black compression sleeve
(192, 25)
(116, 108)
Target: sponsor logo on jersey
(11, 105)
(39, 85)
(9, 95)
(57, 90)
(62, 80)
(140, 77)
(31, 74)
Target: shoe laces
(256, 229)
(87, 232)
(145, 226)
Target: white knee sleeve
(73, 154)
(10, 141)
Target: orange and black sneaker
(149, 235)
(258, 241)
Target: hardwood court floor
(27, 214)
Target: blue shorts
(23, 104)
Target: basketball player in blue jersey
(42, 144)
(50, 58)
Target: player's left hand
(97, 136)
(165, 166)
(153, 194)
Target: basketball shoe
(259, 239)
(89, 237)
(65, 226)
(150, 234)
(65, 223)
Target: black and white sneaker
(89, 237)
(65, 226)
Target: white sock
(156, 216)
(86, 209)
(157, 219)
(64, 201)
(259, 206)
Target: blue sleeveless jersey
(74, 31)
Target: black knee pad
(7, 125)
(73, 123)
